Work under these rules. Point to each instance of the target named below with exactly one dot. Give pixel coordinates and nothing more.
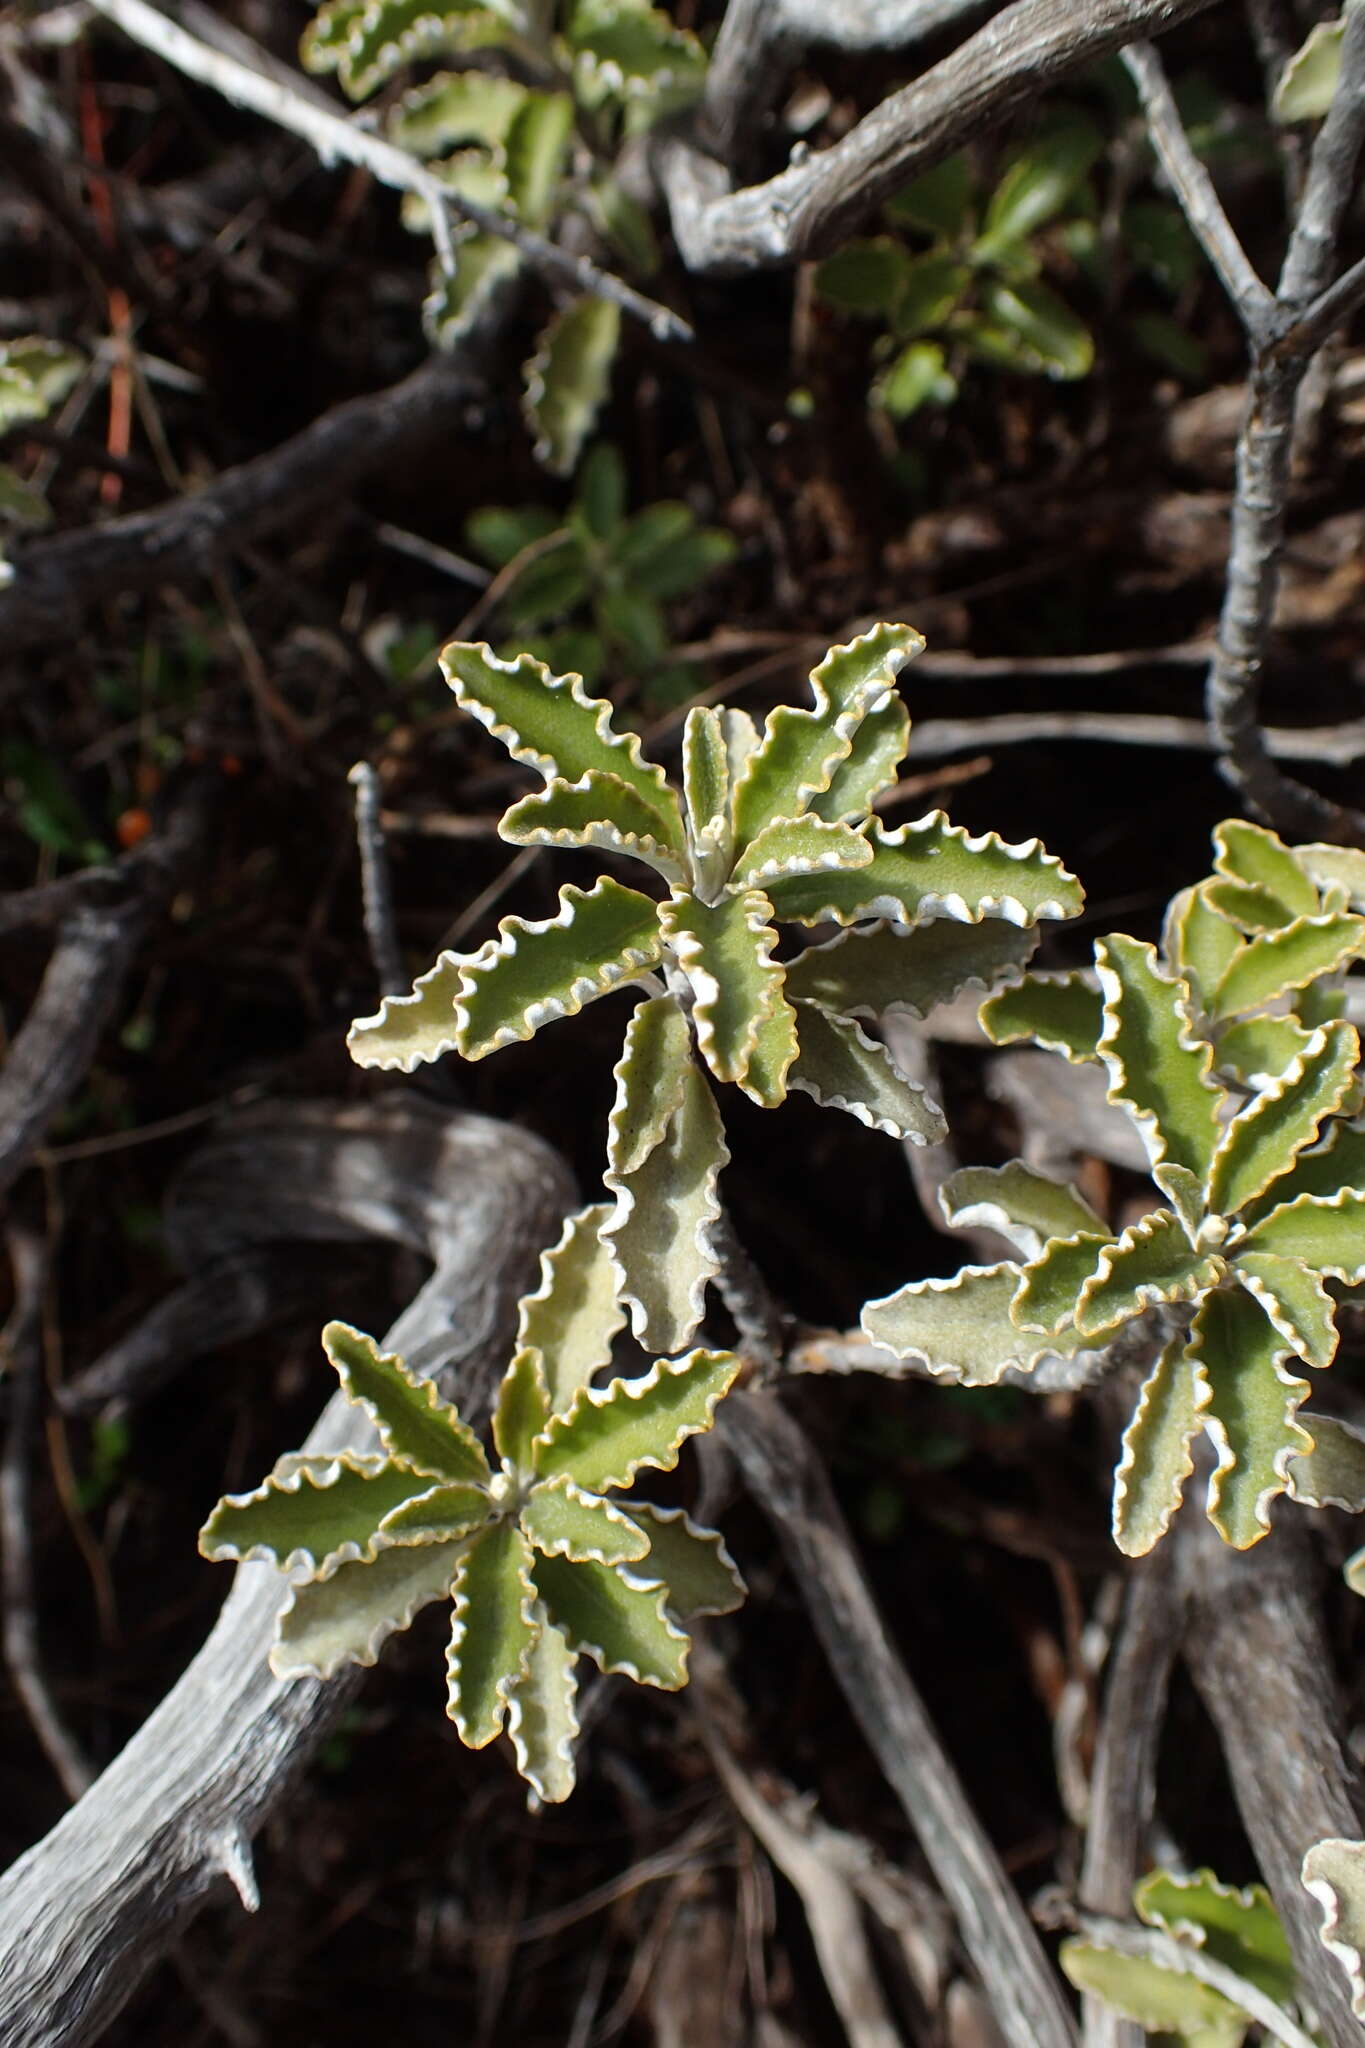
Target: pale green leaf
(1336, 1162)
(1327, 1232)
(568, 379)
(1259, 859)
(1336, 867)
(454, 108)
(1249, 906)
(574, 1313)
(613, 1432)
(538, 970)
(1259, 1049)
(1160, 2000)
(726, 951)
(1332, 1474)
(443, 1515)
(408, 1031)
(312, 1513)
(1250, 1415)
(1184, 1191)
(1152, 1261)
(843, 1068)
(699, 1574)
(1237, 1927)
(535, 145)
(493, 1632)
(553, 725)
(563, 1520)
(800, 749)
(1051, 1282)
(522, 1408)
(1334, 1872)
(741, 740)
(35, 375)
(615, 1617)
(484, 266)
(871, 970)
(1199, 944)
(799, 846)
(598, 810)
(1157, 1459)
(706, 776)
(932, 869)
(1264, 1139)
(632, 49)
(1064, 1012)
(1159, 1071)
(1275, 963)
(1024, 1206)
(541, 1715)
(869, 769)
(660, 1237)
(415, 1424)
(367, 45)
(1309, 79)
(651, 1075)
(959, 1328)
(347, 1618)
(771, 1060)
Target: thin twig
(1341, 745)
(1330, 185)
(376, 883)
(758, 1315)
(1329, 311)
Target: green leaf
(800, 750)
(660, 1237)
(1064, 1012)
(869, 769)
(634, 624)
(1199, 944)
(35, 375)
(1332, 1474)
(443, 1515)
(706, 775)
(538, 970)
(1160, 2000)
(536, 141)
(632, 49)
(916, 375)
(574, 1313)
(1260, 859)
(563, 1520)
(554, 581)
(1024, 1206)
(1334, 1872)
(598, 810)
(1152, 1261)
(347, 1618)
(600, 490)
(1336, 867)
(541, 1716)
(1238, 1928)
(500, 533)
(493, 1633)
(555, 727)
(378, 39)
(932, 288)
(1309, 79)
(1051, 1282)
(1265, 1138)
(933, 869)
(799, 846)
(613, 1432)
(1037, 185)
(1274, 963)
(1259, 1049)
(455, 304)
(959, 1328)
(1159, 1071)
(699, 1574)
(1250, 1415)
(870, 970)
(615, 1617)
(939, 200)
(568, 379)
(1185, 1193)
(726, 951)
(455, 107)
(1337, 1162)
(864, 277)
(522, 1408)
(416, 1425)
(311, 1513)
(1157, 1459)
(1326, 1232)
(651, 1074)
(842, 1068)
(1039, 330)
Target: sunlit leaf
(1273, 963)
(699, 1574)
(613, 1432)
(1327, 1232)
(414, 1422)
(959, 1328)
(1157, 1458)
(310, 1512)
(455, 107)
(1259, 1049)
(1237, 1926)
(1265, 1138)
(1332, 1474)
(458, 299)
(871, 970)
(574, 1314)
(1159, 1071)
(1336, 1162)
(1334, 1872)
(1250, 1415)
(842, 1068)
(1161, 2000)
(564, 1520)
(869, 768)
(598, 810)
(1051, 1282)
(1025, 1206)
(1064, 1012)
(541, 1716)
(1199, 944)
(535, 143)
(799, 846)
(347, 1618)
(661, 1234)
(493, 1632)
(522, 1408)
(1152, 1261)
(1309, 79)
(933, 869)
(615, 1617)
(726, 950)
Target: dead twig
(376, 883)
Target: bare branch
(376, 887)
(1330, 184)
(1327, 312)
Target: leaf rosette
(543, 1555)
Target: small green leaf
(939, 200)
(367, 45)
(536, 140)
(1199, 944)
(633, 49)
(871, 970)
(869, 769)
(959, 1328)
(1259, 1049)
(799, 846)
(842, 1068)
(613, 1432)
(311, 1513)
(1336, 867)
(916, 375)
(35, 375)
(1238, 1928)
(1152, 1261)
(699, 1574)
(562, 1520)
(1064, 1012)
(501, 532)
(1157, 1459)
(568, 379)
(598, 810)
(1332, 1474)
(1334, 1872)
(1024, 1206)
(726, 951)
(934, 869)
(1260, 859)
(1309, 79)
(415, 1424)
(1336, 1162)
(454, 108)
(347, 1618)
(1160, 2000)
(1265, 1138)
(1051, 1282)
(1274, 963)
(522, 1408)
(1326, 1232)
(493, 1633)
(651, 1074)
(660, 1237)
(1185, 1193)
(1040, 331)
(538, 970)
(864, 277)
(1250, 1415)
(408, 1031)
(1038, 184)
(615, 1617)
(706, 773)
(484, 266)
(541, 1716)
(931, 289)
(574, 1313)
(1159, 1071)
(443, 1515)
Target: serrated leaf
(650, 1075)
(959, 1328)
(1160, 2000)
(870, 767)
(538, 970)
(369, 44)
(541, 1715)
(1259, 1049)
(615, 1617)
(574, 1313)
(311, 1513)
(1259, 859)
(1152, 1261)
(613, 1432)
(1024, 1206)
(1159, 1071)
(457, 300)
(800, 750)
(1335, 867)
(1237, 1927)
(455, 107)
(493, 1632)
(347, 1618)
(660, 1234)
(932, 869)
(699, 1574)
(1332, 1474)
(1063, 1012)
(1156, 1458)
(1185, 1193)
(568, 379)
(726, 951)
(416, 1425)
(1050, 1284)
(563, 1520)
(536, 140)
(553, 725)
(1309, 79)
(799, 846)
(522, 1408)
(1274, 963)
(442, 1515)
(1336, 1162)
(871, 970)
(1250, 1415)
(1334, 1872)
(1326, 1232)
(706, 772)
(598, 810)
(1264, 1139)
(842, 1068)
(1199, 944)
